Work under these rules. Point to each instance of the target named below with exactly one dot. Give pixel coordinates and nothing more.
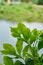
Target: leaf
(8, 60)
(15, 32)
(40, 44)
(35, 32)
(29, 55)
(24, 30)
(34, 36)
(8, 49)
(19, 45)
(6, 52)
(42, 58)
(32, 39)
(41, 35)
(29, 61)
(18, 63)
(25, 50)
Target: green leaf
(6, 52)
(41, 35)
(34, 36)
(8, 60)
(25, 50)
(32, 39)
(19, 45)
(24, 31)
(29, 61)
(15, 32)
(35, 32)
(40, 44)
(18, 63)
(29, 55)
(8, 49)
(41, 59)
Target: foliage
(40, 2)
(35, 1)
(25, 0)
(29, 54)
(21, 12)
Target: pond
(5, 34)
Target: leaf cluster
(29, 53)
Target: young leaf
(18, 63)
(40, 44)
(9, 48)
(25, 50)
(24, 30)
(19, 45)
(15, 32)
(8, 60)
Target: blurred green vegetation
(21, 12)
(40, 2)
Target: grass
(21, 12)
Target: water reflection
(5, 35)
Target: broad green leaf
(25, 50)
(40, 44)
(15, 32)
(29, 61)
(35, 32)
(32, 39)
(19, 45)
(24, 30)
(41, 35)
(8, 60)
(6, 52)
(18, 63)
(8, 49)
(34, 36)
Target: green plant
(35, 1)
(40, 2)
(29, 54)
(21, 12)
(25, 0)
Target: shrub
(35, 1)
(29, 54)
(38, 2)
(2, 3)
